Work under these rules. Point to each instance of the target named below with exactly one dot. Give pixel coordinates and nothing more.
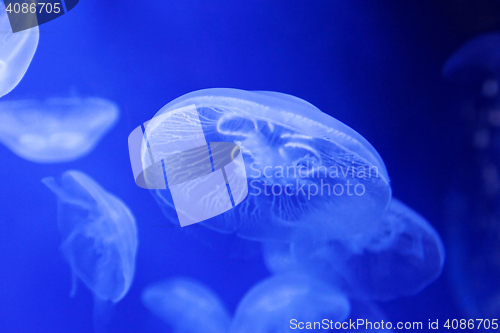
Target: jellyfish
(284, 303)
(187, 305)
(56, 130)
(16, 52)
(401, 258)
(99, 235)
(305, 170)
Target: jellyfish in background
(472, 205)
(56, 130)
(303, 166)
(16, 52)
(99, 235)
(187, 306)
(404, 256)
(279, 303)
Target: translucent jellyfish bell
(187, 306)
(370, 318)
(401, 259)
(270, 306)
(99, 235)
(297, 160)
(56, 130)
(16, 51)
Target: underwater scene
(250, 166)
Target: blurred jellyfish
(56, 130)
(16, 51)
(404, 256)
(187, 306)
(472, 208)
(279, 303)
(305, 169)
(477, 59)
(99, 235)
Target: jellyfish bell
(280, 302)
(16, 52)
(99, 235)
(56, 130)
(475, 271)
(305, 170)
(187, 305)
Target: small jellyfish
(99, 235)
(16, 51)
(305, 170)
(187, 306)
(56, 130)
(284, 303)
(401, 259)
(472, 207)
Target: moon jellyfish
(99, 235)
(369, 318)
(16, 51)
(305, 169)
(188, 306)
(56, 130)
(286, 302)
(400, 259)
